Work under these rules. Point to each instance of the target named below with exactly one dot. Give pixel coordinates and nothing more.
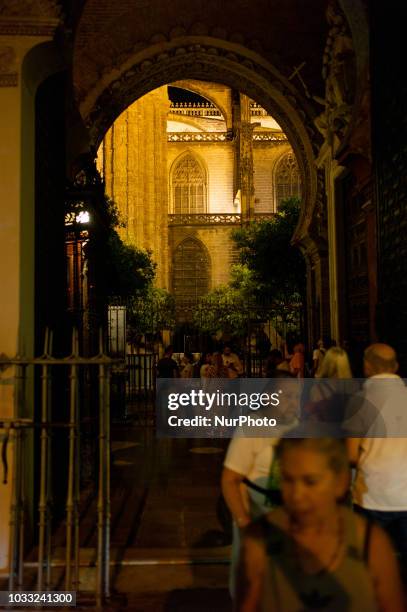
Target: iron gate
(21, 434)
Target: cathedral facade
(173, 169)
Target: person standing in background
(232, 362)
(380, 487)
(297, 361)
(318, 355)
(167, 367)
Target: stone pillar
(332, 171)
(243, 130)
(161, 187)
(317, 293)
(19, 80)
(135, 170)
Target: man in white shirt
(380, 486)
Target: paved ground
(169, 550)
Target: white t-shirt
(252, 458)
(381, 475)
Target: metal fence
(141, 376)
(52, 441)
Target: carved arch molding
(207, 59)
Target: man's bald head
(380, 359)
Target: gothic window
(188, 187)
(287, 179)
(191, 271)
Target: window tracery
(188, 187)
(191, 271)
(287, 179)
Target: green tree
(129, 270)
(223, 309)
(277, 267)
(123, 270)
(267, 284)
(150, 313)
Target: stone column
(317, 292)
(332, 171)
(135, 154)
(133, 193)
(243, 130)
(161, 186)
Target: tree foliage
(267, 284)
(123, 270)
(150, 313)
(277, 267)
(223, 309)
(129, 269)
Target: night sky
(176, 94)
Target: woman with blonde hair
(313, 553)
(335, 364)
(326, 396)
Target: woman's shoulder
(361, 531)
(372, 540)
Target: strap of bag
(273, 496)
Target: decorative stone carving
(8, 67)
(246, 158)
(29, 17)
(287, 178)
(204, 219)
(30, 8)
(198, 136)
(319, 229)
(7, 60)
(338, 71)
(144, 76)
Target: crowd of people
(227, 363)
(218, 364)
(337, 538)
(319, 523)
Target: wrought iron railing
(62, 382)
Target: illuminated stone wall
(217, 159)
(265, 158)
(141, 150)
(133, 160)
(218, 244)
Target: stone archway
(216, 60)
(202, 58)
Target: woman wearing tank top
(314, 554)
